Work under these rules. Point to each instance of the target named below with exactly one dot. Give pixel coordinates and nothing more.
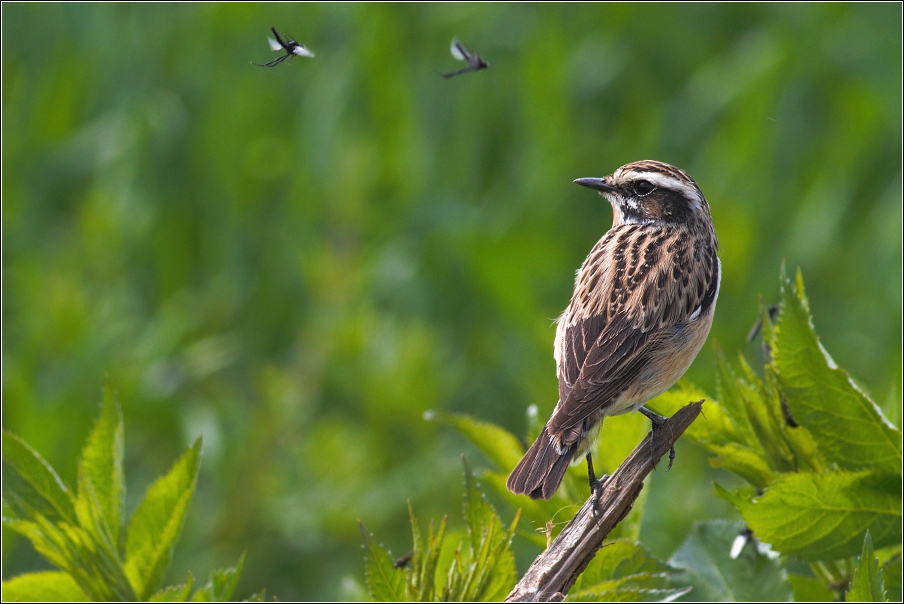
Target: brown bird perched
(642, 307)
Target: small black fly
(403, 561)
(461, 53)
(292, 48)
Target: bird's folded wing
(613, 362)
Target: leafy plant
(100, 556)
(483, 571)
(823, 465)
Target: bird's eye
(643, 187)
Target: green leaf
(156, 524)
(744, 462)
(174, 593)
(739, 402)
(74, 550)
(762, 408)
(849, 428)
(491, 574)
(538, 511)
(824, 516)
(867, 585)
(499, 445)
(101, 486)
(623, 571)
(385, 583)
(715, 576)
(620, 562)
(221, 585)
(714, 425)
(424, 559)
(49, 586)
(45, 491)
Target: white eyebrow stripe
(668, 182)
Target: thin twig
(554, 572)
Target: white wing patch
(274, 45)
(301, 50)
(457, 50)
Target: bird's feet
(596, 485)
(657, 421)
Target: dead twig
(554, 572)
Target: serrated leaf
(422, 576)
(824, 516)
(491, 573)
(221, 585)
(47, 492)
(385, 583)
(477, 510)
(867, 585)
(174, 593)
(849, 428)
(156, 524)
(736, 401)
(744, 462)
(49, 586)
(538, 511)
(73, 550)
(716, 577)
(101, 485)
(499, 445)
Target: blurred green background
(298, 262)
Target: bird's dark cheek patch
(668, 206)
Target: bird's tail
(540, 471)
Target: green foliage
(850, 430)
(823, 462)
(624, 571)
(867, 585)
(823, 516)
(483, 571)
(504, 450)
(84, 536)
(48, 586)
(752, 576)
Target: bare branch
(554, 572)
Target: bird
(642, 307)
(475, 63)
(290, 46)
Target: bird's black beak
(597, 184)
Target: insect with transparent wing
(461, 53)
(290, 46)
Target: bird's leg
(657, 421)
(596, 486)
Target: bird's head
(652, 192)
